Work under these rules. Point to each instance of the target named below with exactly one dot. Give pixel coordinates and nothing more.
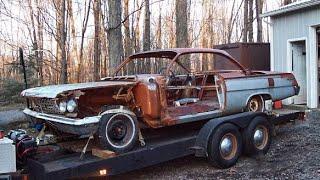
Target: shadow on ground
(294, 154)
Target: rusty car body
(164, 98)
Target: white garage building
(294, 47)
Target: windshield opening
(150, 65)
(186, 63)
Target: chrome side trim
(61, 119)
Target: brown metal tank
(255, 56)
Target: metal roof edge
(290, 8)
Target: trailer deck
(158, 149)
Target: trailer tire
(118, 132)
(221, 153)
(257, 136)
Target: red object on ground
(1, 134)
(277, 105)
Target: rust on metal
(255, 56)
(159, 100)
(271, 82)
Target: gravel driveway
(294, 154)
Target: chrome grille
(46, 106)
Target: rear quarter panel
(238, 90)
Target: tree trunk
(159, 32)
(104, 49)
(127, 38)
(74, 53)
(61, 37)
(146, 29)
(34, 39)
(181, 23)
(230, 23)
(40, 40)
(259, 5)
(83, 31)
(250, 24)
(97, 43)
(136, 37)
(158, 64)
(181, 8)
(115, 47)
(245, 22)
(146, 35)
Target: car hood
(53, 91)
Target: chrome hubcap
(226, 146)
(258, 137)
(261, 137)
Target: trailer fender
(241, 120)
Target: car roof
(171, 53)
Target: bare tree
(40, 39)
(97, 43)
(245, 22)
(136, 32)
(60, 6)
(250, 22)
(146, 29)
(83, 31)
(158, 38)
(259, 6)
(37, 39)
(74, 54)
(146, 34)
(115, 47)
(127, 38)
(230, 23)
(181, 7)
(104, 43)
(159, 32)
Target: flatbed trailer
(159, 149)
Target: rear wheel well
(255, 103)
(266, 96)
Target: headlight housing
(71, 105)
(63, 106)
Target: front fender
(241, 120)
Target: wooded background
(68, 41)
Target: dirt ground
(294, 154)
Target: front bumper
(61, 119)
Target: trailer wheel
(257, 136)
(118, 132)
(225, 145)
(255, 104)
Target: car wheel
(225, 145)
(118, 132)
(257, 136)
(255, 104)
